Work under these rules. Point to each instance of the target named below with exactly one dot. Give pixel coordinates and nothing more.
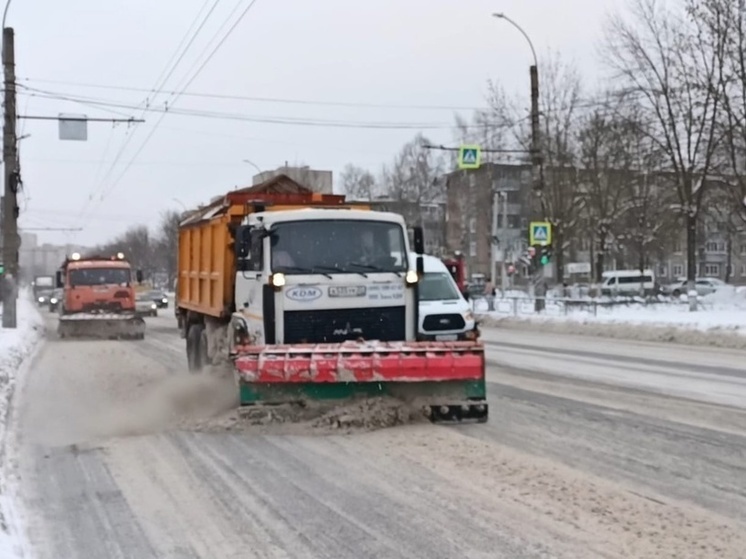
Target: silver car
(704, 286)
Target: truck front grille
(443, 322)
(338, 325)
(102, 306)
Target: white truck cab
(444, 314)
(324, 276)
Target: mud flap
(445, 377)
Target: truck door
(251, 282)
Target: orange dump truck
(309, 297)
(98, 298)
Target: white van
(628, 282)
(444, 313)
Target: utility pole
(505, 241)
(493, 246)
(10, 206)
(537, 162)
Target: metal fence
(563, 306)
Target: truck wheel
(195, 351)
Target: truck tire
(195, 349)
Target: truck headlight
(278, 280)
(41, 299)
(411, 278)
(53, 300)
(164, 300)
(153, 306)
(468, 316)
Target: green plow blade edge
(441, 392)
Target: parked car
(704, 286)
(145, 306)
(159, 298)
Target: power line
(161, 83)
(279, 100)
(183, 88)
(267, 119)
(158, 83)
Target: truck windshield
(100, 276)
(438, 286)
(338, 246)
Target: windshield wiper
(302, 270)
(373, 268)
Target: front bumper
(469, 335)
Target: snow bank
(16, 346)
(720, 321)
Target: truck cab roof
(302, 214)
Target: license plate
(446, 338)
(100, 289)
(347, 291)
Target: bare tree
(725, 20)
(415, 178)
(604, 145)
(165, 251)
(673, 73)
(490, 128)
(136, 244)
(358, 183)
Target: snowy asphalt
(594, 448)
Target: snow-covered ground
(16, 348)
(723, 311)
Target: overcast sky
(386, 52)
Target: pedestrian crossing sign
(469, 157)
(540, 233)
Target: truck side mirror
(139, 276)
(58, 279)
(243, 242)
(419, 240)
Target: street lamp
(500, 15)
(258, 170)
(535, 131)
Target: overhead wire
(278, 100)
(173, 62)
(175, 98)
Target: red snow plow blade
(447, 376)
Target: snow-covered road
(570, 464)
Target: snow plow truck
(98, 298)
(310, 297)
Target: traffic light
(546, 255)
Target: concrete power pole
(493, 245)
(504, 269)
(10, 206)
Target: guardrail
(562, 306)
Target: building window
(712, 270)
(473, 248)
(743, 250)
(743, 270)
(472, 225)
(678, 270)
(663, 270)
(715, 246)
(677, 247)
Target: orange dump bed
(206, 259)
